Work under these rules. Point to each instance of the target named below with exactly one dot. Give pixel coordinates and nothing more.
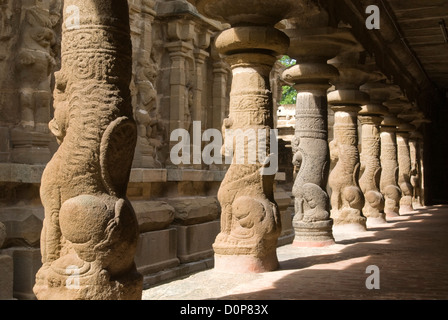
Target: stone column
(90, 231)
(221, 74)
(250, 218)
(347, 199)
(399, 107)
(30, 65)
(404, 166)
(416, 154)
(371, 116)
(414, 144)
(181, 92)
(312, 48)
(389, 166)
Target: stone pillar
(6, 269)
(312, 48)
(389, 166)
(90, 230)
(414, 144)
(250, 218)
(347, 199)
(371, 116)
(181, 93)
(398, 107)
(404, 166)
(221, 74)
(416, 154)
(28, 41)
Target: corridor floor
(410, 251)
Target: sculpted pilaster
(145, 71)
(312, 47)
(416, 153)
(250, 218)
(90, 231)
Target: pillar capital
(250, 12)
(252, 38)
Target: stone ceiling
(409, 48)
(419, 22)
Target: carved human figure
(146, 114)
(34, 64)
(347, 199)
(90, 230)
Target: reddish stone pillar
(90, 230)
(250, 218)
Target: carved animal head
(58, 126)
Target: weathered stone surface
(195, 242)
(153, 215)
(6, 276)
(2, 234)
(23, 225)
(404, 167)
(190, 211)
(312, 46)
(347, 199)
(370, 117)
(156, 251)
(389, 166)
(90, 230)
(27, 262)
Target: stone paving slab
(410, 252)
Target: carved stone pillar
(404, 166)
(371, 116)
(416, 154)
(250, 218)
(90, 230)
(398, 107)
(347, 199)
(389, 166)
(312, 48)
(414, 145)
